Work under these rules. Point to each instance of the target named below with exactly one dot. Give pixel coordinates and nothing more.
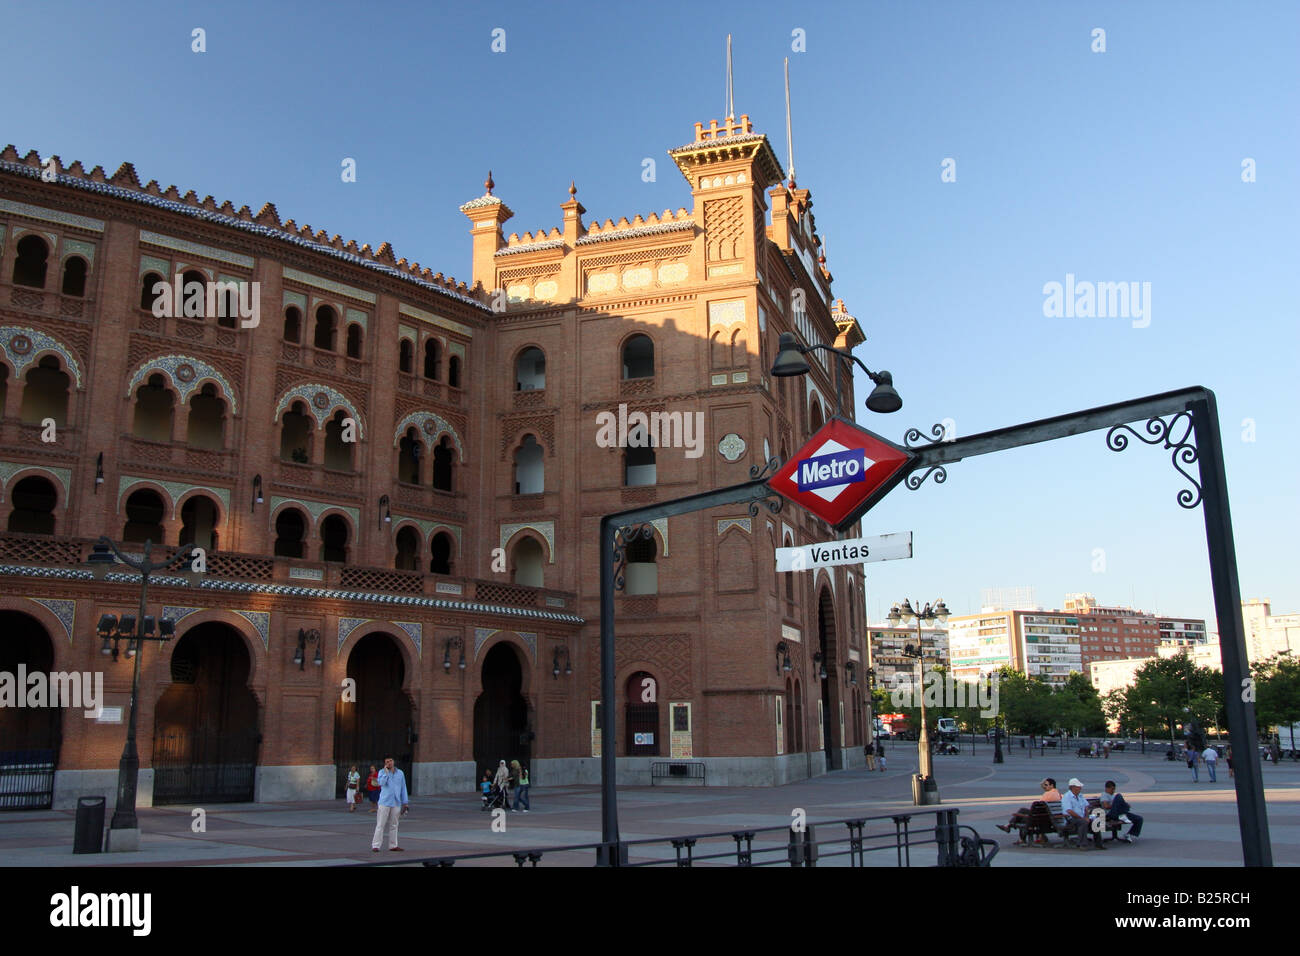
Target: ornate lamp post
(124, 830)
(923, 784)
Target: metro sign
(841, 472)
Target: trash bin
(89, 836)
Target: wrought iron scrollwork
(914, 481)
(1162, 432)
(622, 538)
(914, 436)
(772, 504)
(762, 471)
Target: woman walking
(519, 777)
(1227, 755)
(353, 789)
(372, 788)
(1191, 756)
(502, 780)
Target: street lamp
(790, 361)
(112, 630)
(307, 636)
(923, 784)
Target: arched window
(295, 434)
(290, 532)
(207, 421)
(154, 409)
(227, 305)
(46, 394)
(432, 360)
(789, 579)
(453, 371)
(74, 276)
(638, 357)
(530, 370)
(199, 523)
(194, 295)
(33, 257)
(642, 574)
(815, 420)
(144, 514)
(354, 340)
(406, 357)
(408, 550)
(789, 717)
(442, 468)
(293, 325)
(334, 539)
(33, 501)
(528, 561)
(440, 554)
(147, 296)
(739, 348)
(639, 467)
(530, 472)
(338, 453)
(409, 452)
(326, 321)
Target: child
(882, 760)
(353, 789)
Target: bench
(1087, 752)
(1045, 818)
(677, 770)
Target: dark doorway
(501, 713)
(826, 644)
(29, 736)
(378, 723)
(206, 727)
(33, 499)
(642, 716)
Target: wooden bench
(1045, 818)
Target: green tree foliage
(1277, 691)
(1168, 690)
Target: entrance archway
(206, 725)
(29, 736)
(501, 713)
(830, 703)
(642, 716)
(378, 723)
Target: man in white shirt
(1075, 808)
(1211, 758)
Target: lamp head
(789, 357)
(883, 398)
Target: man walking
(393, 802)
(1211, 757)
(1117, 808)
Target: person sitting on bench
(1117, 808)
(1075, 808)
(1022, 815)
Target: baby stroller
(495, 798)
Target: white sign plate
(885, 547)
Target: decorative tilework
(261, 620)
(433, 426)
(295, 298)
(307, 574)
(446, 587)
(187, 374)
(78, 248)
(429, 528)
(456, 348)
(322, 401)
(661, 525)
(176, 614)
(531, 640)
(23, 346)
(673, 272)
(727, 313)
(406, 332)
(65, 611)
(412, 312)
(347, 625)
(10, 468)
(481, 635)
(355, 315)
(414, 631)
(742, 523)
(329, 285)
(545, 528)
(51, 215)
(196, 249)
(176, 489)
(316, 508)
(731, 447)
(150, 264)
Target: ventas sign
(841, 472)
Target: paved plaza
(1187, 824)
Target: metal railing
(805, 845)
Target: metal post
(128, 769)
(608, 764)
(924, 765)
(1251, 811)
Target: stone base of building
(719, 771)
(451, 776)
(284, 784)
(69, 785)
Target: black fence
(27, 779)
(204, 767)
(845, 841)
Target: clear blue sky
(1115, 166)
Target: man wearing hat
(1075, 808)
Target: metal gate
(642, 722)
(200, 767)
(27, 779)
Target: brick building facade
(397, 480)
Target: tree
(1277, 691)
(1079, 705)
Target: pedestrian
(1191, 755)
(393, 802)
(1117, 808)
(1106, 750)
(882, 760)
(519, 775)
(870, 752)
(1227, 755)
(353, 788)
(1211, 757)
(372, 789)
(502, 781)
